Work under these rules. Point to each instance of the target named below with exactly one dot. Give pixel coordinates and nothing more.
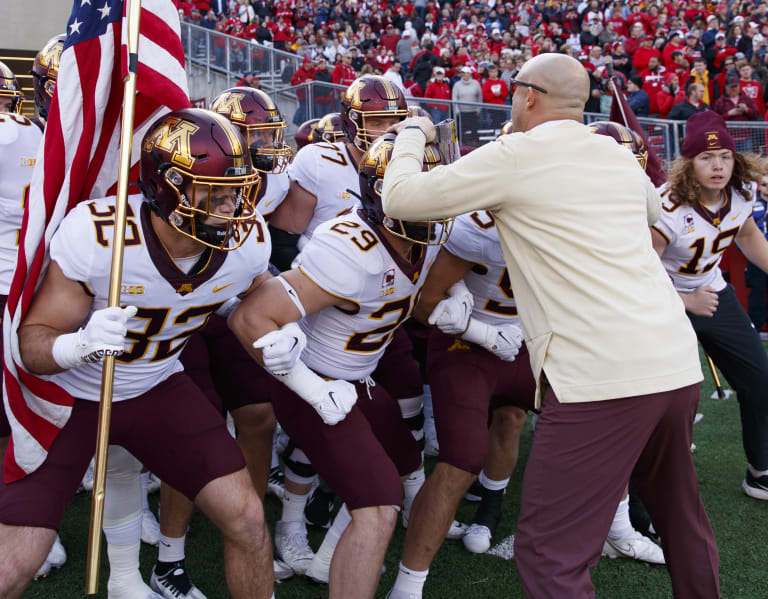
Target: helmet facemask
(200, 217)
(266, 142)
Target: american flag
(79, 161)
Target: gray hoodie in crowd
(467, 91)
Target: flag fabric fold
(79, 161)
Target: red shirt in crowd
(495, 91)
(439, 90)
(754, 91)
(343, 74)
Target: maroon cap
(706, 131)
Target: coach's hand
(701, 302)
(425, 124)
(104, 335)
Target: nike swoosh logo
(736, 215)
(268, 204)
(164, 544)
(216, 289)
(330, 394)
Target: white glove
(503, 341)
(451, 315)
(331, 399)
(104, 335)
(282, 348)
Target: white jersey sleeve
(328, 172)
(697, 237)
(275, 189)
(475, 239)
(19, 142)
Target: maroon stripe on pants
(581, 459)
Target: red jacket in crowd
(304, 73)
(495, 91)
(343, 74)
(439, 90)
(754, 91)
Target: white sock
(411, 407)
(621, 528)
(757, 473)
(409, 581)
(171, 549)
(411, 487)
(293, 507)
(492, 485)
(325, 553)
(144, 483)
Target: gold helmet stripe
(232, 136)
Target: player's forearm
(250, 325)
(36, 347)
(755, 247)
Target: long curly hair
(684, 189)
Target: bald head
(567, 85)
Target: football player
(10, 92)
(197, 205)
(706, 206)
(305, 133)
(478, 364)
(356, 281)
(44, 72)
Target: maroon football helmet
(261, 124)
(366, 97)
(329, 129)
(192, 161)
(624, 136)
(305, 134)
(9, 88)
(373, 164)
(44, 73)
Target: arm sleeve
(467, 185)
(331, 265)
(68, 250)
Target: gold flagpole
(133, 11)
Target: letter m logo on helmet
(230, 104)
(174, 137)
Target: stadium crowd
(672, 58)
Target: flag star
(84, 2)
(104, 10)
(75, 27)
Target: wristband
(64, 350)
(416, 127)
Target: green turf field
(740, 524)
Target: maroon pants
(362, 457)
(581, 459)
(398, 371)
(172, 429)
(467, 382)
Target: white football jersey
(697, 237)
(172, 304)
(327, 171)
(19, 140)
(275, 189)
(348, 259)
(475, 239)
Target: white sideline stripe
(505, 550)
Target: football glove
(331, 399)
(281, 348)
(103, 335)
(503, 341)
(451, 315)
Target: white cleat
(282, 571)
(455, 532)
(135, 589)
(150, 528)
(395, 594)
(292, 546)
(319, 570)
(635, 546)
(477, 539)
(56, 558)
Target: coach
(611, 348)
